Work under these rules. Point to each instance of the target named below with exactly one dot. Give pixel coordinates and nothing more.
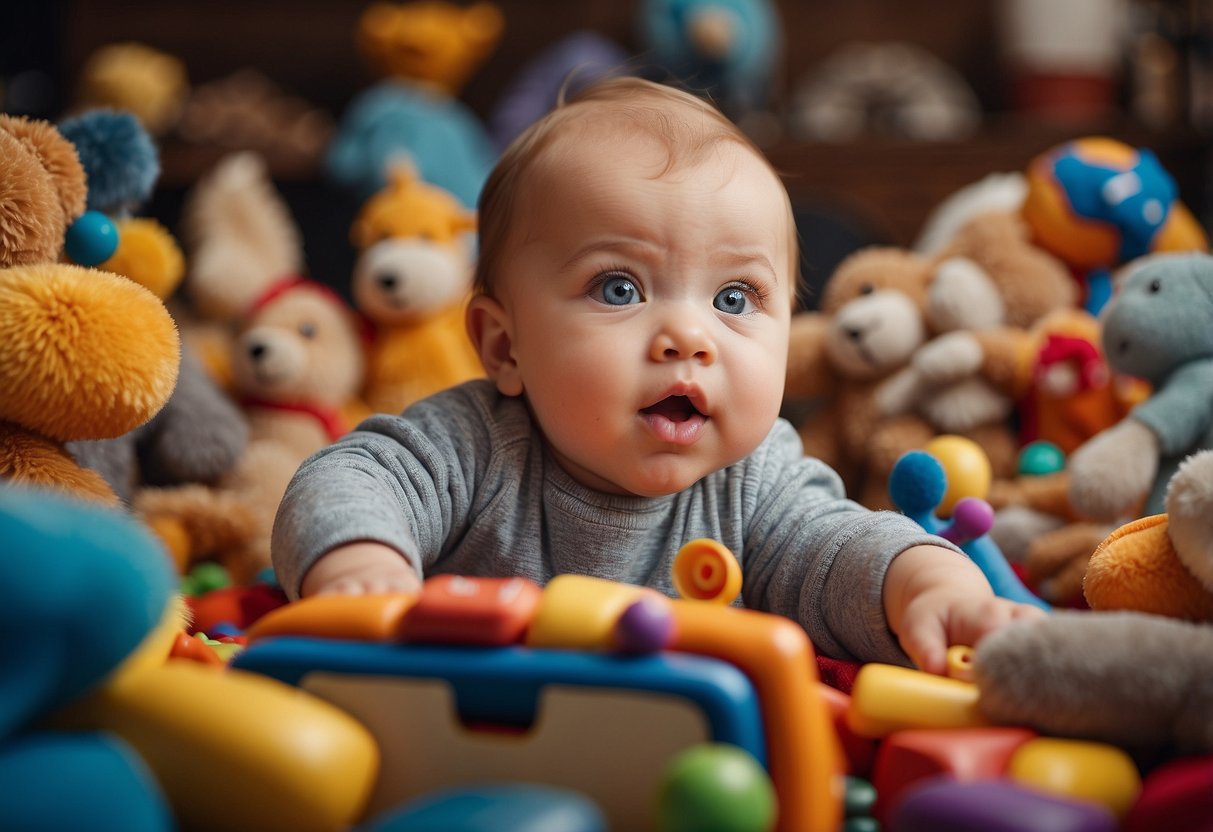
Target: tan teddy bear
(412, 279)
(240, 239)
(298, 363)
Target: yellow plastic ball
(966, 466)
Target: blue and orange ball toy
(1096, 203)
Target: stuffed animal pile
(84, 354)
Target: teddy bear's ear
(57, 156)
(402, 174)
(463, 222)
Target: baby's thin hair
(657, 110)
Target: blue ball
(917, 483)
(92, 239)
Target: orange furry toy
(412, 281)
(84, 354)
(433, 42)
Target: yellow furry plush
(412, 281)
(135, 77)
(429, 41)
(84, 354)
(148, 255)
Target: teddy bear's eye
(1155, 286)
(307, 329)
(867, 289)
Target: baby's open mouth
(674, 408)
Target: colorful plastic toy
(562, 706)
(719, 787)
(1096, 203)
(918, 484)
(994, 806)
(513, 807)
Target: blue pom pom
(92, 239)
(118, 156)
(917, 483)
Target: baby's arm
(361, 568)
(934, 599)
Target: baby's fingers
(925, 641)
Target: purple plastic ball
(645, 627)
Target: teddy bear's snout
(390, 280)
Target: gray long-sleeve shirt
(462, 483)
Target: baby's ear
(491, 330)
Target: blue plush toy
(83, 586)
(726, 48)
(120, 157)
(443, 139)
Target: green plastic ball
(1040, 458)
(716, 788)
(860, 797)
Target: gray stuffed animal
(1129, 675)
(1159, 326)
(196, 438)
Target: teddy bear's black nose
(853, 332)
(255, 351)
(387, 280)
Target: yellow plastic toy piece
(238, 751)
(705, 570)
(960, 663)
(1078, 769)
(355, 618)
(803, 753)
(579, 612)
(886, 698)
(966, 466)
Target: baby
(638, 264)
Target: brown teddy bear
(84, 354)
(412, 279)
(869, 323)
(991, 286)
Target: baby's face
(650, 314)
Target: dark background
(876, 189)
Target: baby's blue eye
(732, 300)
(619, 291)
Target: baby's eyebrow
(740, 258)
(622, 245)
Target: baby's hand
(935, 599)
(363, 568)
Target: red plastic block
(489, 612)
(1177, 797)
(967, 754)
(859, 751)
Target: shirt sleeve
(817, 557)
(405, 481)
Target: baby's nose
(683, 342)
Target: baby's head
(637, 269)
